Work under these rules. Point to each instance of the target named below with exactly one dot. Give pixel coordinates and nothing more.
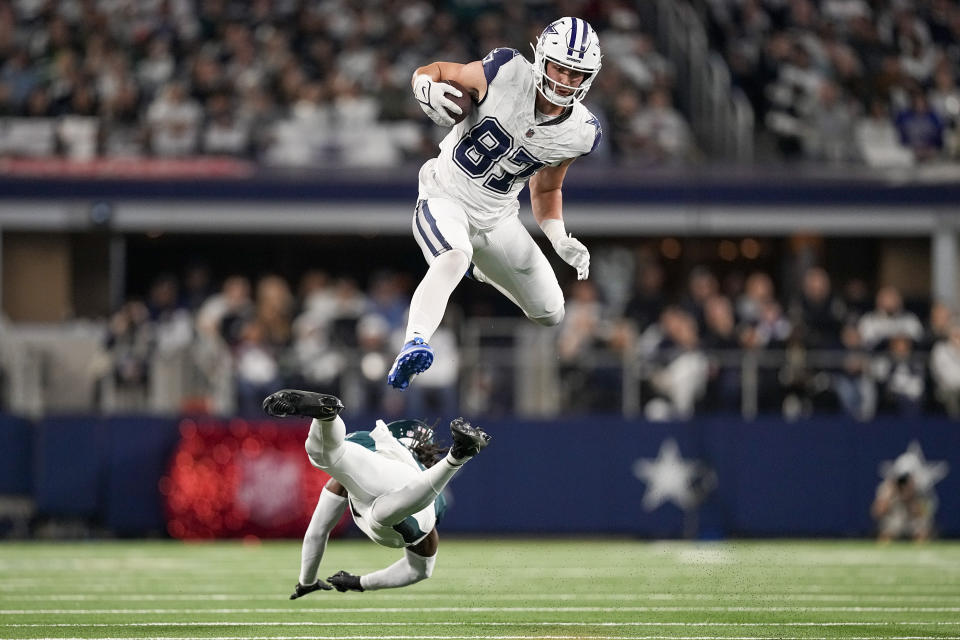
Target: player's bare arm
(546, 200)
(336, 488)
(469, 75)
(431, 88)
(546, 192)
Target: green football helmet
(411, 433)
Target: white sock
(410, 569)
(429, 301)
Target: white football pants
(506, 255)
(392, 489)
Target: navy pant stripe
(423, 234)
(433, 226)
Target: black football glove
(300, 590)
(344, 581)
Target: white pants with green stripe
(391, 498)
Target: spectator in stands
(856, 297)
(582, 336)
(945, 370)
(852, 383)
(831, 121)
(680, 376)
(758, 292)
(173, 325)
(274, 311)
(938, 325)
(921, 129)
(224, 133)
(157, 68)
(256, 368)
(877, 139)
(174, 121)
(662, 133)
(131, 342)
(721, 341)
(648, 300)
(701, 286)
(887, 319)
(816, 312)
(900, 378)
(370, 362)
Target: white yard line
(639, 609)
(460, 623)
(519, 637)
(422, 595)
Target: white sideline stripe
(420, 596)
(487, 610)
(517, 637)
(543, 623)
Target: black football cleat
(291, 402)
(299, 591)
(467, 439)
(343, 581)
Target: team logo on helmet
(572, 43)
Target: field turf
(487, 589)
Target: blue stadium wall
(769, 477)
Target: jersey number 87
(483, 146)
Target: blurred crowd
(709, 345)
(290, 82)
(306, 83)
(841, 80)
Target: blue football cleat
(415, 357)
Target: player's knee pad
(550, 319)
(455, 260)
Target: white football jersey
(487, 158)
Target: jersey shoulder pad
(496, 59)
(588, 128)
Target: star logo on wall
(912, 461)
(670, 477)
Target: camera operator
(901, 509)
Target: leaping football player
(528, 124)
(392, 478)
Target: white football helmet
(572, 43)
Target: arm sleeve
(329, 509)
(409, 569)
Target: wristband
(554, 229)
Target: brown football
(465, 101)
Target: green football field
(487, 589)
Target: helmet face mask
(571, 43)
(412, 434)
